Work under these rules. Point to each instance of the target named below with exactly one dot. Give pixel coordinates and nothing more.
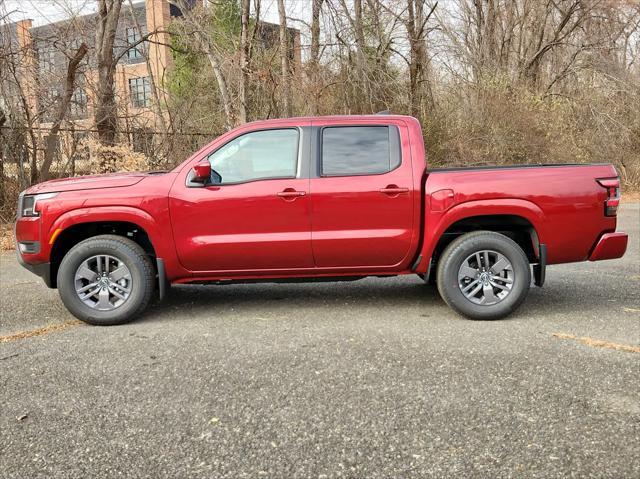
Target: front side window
(257, 155)
(140, 89)
(359, 150)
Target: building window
(48, 105)
(79, 103)
(46, 59)
(140, 89)
(133, 36)
(78, 106)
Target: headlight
(28, 203)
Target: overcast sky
(48, 11)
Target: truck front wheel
(483, 275)
(106, 280)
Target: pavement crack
(9, 357)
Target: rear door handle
(394, 190)
(290, 193)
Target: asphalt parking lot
(376, 378)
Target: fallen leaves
(6, 237)
(631, 310)
(599, 343)
(40, 331)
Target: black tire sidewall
(466, 245)
(123, 252)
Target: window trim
(300, 144)
(46, 59)
(135, 97)
(320, 145)
(131, 40)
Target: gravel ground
(376, 378)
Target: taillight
(612, 186)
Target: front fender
(98, 214)
(159, 232)
(437, 222)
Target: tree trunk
(244, 60)
(106, 111)
(314, 56)
(284, 61)
(3, 118)
(214, 61)
(418, 61)
(52, 137)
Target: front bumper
(42, 269)
(610, 246)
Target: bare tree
(284, 60)
(314, 54)
(244, 59)
(65, 101)
(416, 25)
(198, 26)
(105, 109)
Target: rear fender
(437, 222)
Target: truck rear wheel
(484, 275)
(106, 280)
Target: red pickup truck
(326, 198)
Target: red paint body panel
(610, 246)
(564, 204)
(242, 227)
(355, 224)
(341, 226)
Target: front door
(362, 197)
(254, 214)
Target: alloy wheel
(103, 282)
(486, 277)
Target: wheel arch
(78, 225)
(519, 219)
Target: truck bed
(564, 203)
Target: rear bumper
(610, 246)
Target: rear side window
(359, 150)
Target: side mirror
(202, 171)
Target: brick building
(140, 72)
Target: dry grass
(40, 331)
(6, 237)
(599, 343)
(630, 196)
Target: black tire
(141, 270)
(462, 248)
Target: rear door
(362, 197)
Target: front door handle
(393, 190)
(291, 194)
